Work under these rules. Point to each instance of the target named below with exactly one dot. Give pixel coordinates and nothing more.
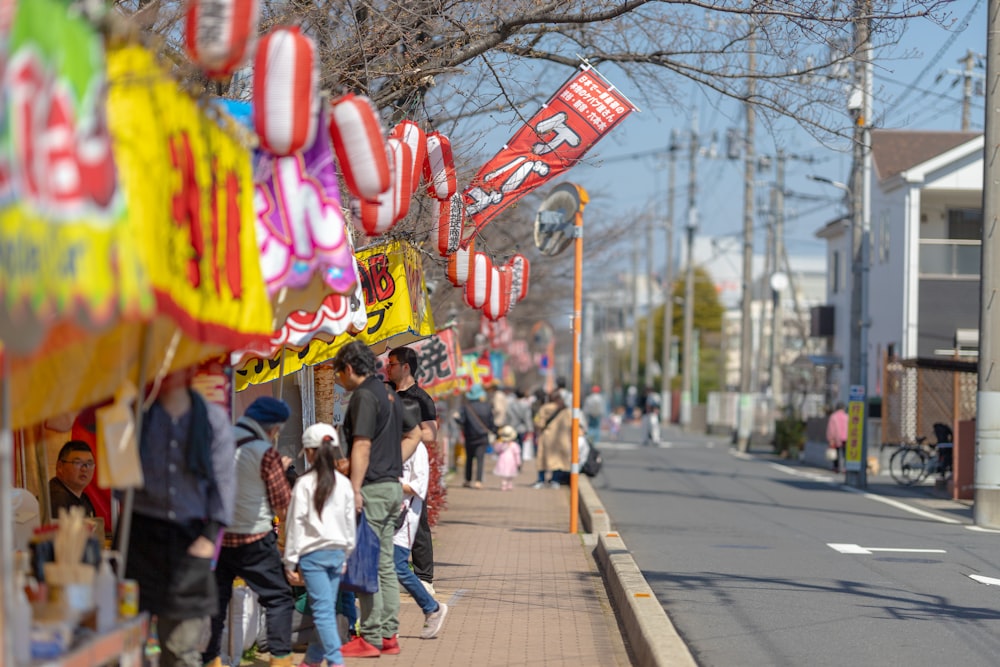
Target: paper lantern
(477, 287)
(410, 133)
(498, 303)
(285, 91)
(377, 217)
(459, 265)
(439, 167)
(357, 138)
(520, 269)
(450, 216)
(220, 34)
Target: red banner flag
(585, 109)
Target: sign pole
(574, 475)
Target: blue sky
(908, 94)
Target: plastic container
(106, 594)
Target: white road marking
(989, 581)
(794, 472)
(902, 506)
(859, 550)
(980, 529)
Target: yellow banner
(855, 434)
(189, 190)
(398, 310)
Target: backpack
(593, 464)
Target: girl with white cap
(320, 535)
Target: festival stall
(127, 234)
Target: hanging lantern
(450, 218)
(477, 287)
(377, 217)
(498, 304)
(285, 91)
(220, 34)
(519, 269)
(410, 133)
(357, 138)
(439, 168)
(459, 265)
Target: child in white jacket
(416, 473)
(320, 534)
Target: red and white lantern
(498, 304)
(519, 269)
(410, 133)
(285, 91)
(358, 141)
(450, 218)
(477, 288)
(377, 217)
(439, 167)
(460, 265)
(220, 34)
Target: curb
(648, 630)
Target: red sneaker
(390, 646)
(359, 648)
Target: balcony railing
(949, 257)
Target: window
(835, 273)
(965, 224)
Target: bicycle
(913, 463)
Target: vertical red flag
(581, 112)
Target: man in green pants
(380, 439)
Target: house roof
(895, 151)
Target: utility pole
(778, 282)
(745, 414)
(666, 395)
(692, 227)
(970, 62)
(986, 511)
(647, 375)
(633, 374)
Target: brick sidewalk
(520, 589)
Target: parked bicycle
(913, 463)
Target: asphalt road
(761, 562)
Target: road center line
(989, 581)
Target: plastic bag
(362, 565)
(118, 463)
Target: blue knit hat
(267, 410)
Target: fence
(917, 393)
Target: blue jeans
(408, 579)
(348, 608)
(321, 572)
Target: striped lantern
(410, 133)
(439, 168)
(498, 303)
(520, 270)
(357, 138)
(377, 217)
(477, 287)
(285, 91)
(460, 264)
(449, 220)
(220, 34)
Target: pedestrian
(594, 407)
(373, 429)
(319, 536)
(508, 457)
(476, 421)
(250, 545)
(416, 473)
(402, 372)
(187, 450)
(836, 434)
(553, 432)
(74, 472)
(519, 415)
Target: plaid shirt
(279, 494)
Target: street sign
(855, 427)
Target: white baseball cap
(314, 436)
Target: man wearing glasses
(74, 471)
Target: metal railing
(950, 258)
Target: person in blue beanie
(250, 544)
